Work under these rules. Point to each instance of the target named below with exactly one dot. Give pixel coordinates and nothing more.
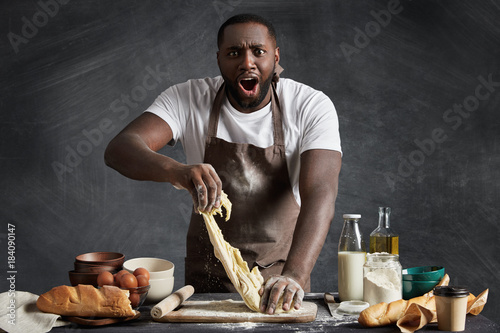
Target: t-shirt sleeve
(320, 124)
(168, 107)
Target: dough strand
(246, 282)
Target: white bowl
(159, 289)
(158, 268)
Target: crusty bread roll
(382, 314)
(86, 301)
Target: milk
(351, 275)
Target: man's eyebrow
(252, 46)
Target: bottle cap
(352, 216)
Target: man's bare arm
(318, 182)
(133, 153)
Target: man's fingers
(216, 188)
(201, 195)
(271, 295)
(274, 297)
(288, 296)
(299, 296)
(207, 187)
(277, 287)
(265, 291)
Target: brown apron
(264, 210)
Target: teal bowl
(417, 288)
(423, 273)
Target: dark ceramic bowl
(84, 268)
(101, 258)
(77, 278)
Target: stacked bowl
(420, 280)
(161, 276)
(89, 265)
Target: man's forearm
(131, 157)
(310, 233)
(318, 191)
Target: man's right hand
(202, 182)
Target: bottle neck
(351, 238)
(351, 225)
(384, 217)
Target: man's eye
(233, 54)
(259, 52)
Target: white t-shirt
(309, 120)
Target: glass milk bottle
(383, 238)
(351, 257)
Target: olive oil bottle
(383, 238)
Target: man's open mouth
(249, 85)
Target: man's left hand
(274, 288)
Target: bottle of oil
(383, 238)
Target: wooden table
(324, 323)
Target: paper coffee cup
(451, 307)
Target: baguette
(383, 314)
(86, 301)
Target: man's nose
(247, 61)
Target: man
(271, 144)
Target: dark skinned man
(272, 144)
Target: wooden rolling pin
(171, 302)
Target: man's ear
(277, 55)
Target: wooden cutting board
(230, 311)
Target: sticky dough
(246, 282)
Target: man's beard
(263, 89)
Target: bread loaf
(382, 314)
(86, 301)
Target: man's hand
(202, 182)
(274, 288)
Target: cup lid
(451, 291)
(352, 216)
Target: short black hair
(246, 18)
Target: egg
(105, 279)
(128, 281)
(118, 276)
(141, 271)
(142, 280)
(135, 299)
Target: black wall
(419, 125)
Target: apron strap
(277, 71)
(213, 121)
(279, 141)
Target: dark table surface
(324, 322)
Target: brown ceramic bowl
(114, 259)
(77, 278)
(86, 268)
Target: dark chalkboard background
(419, 125)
